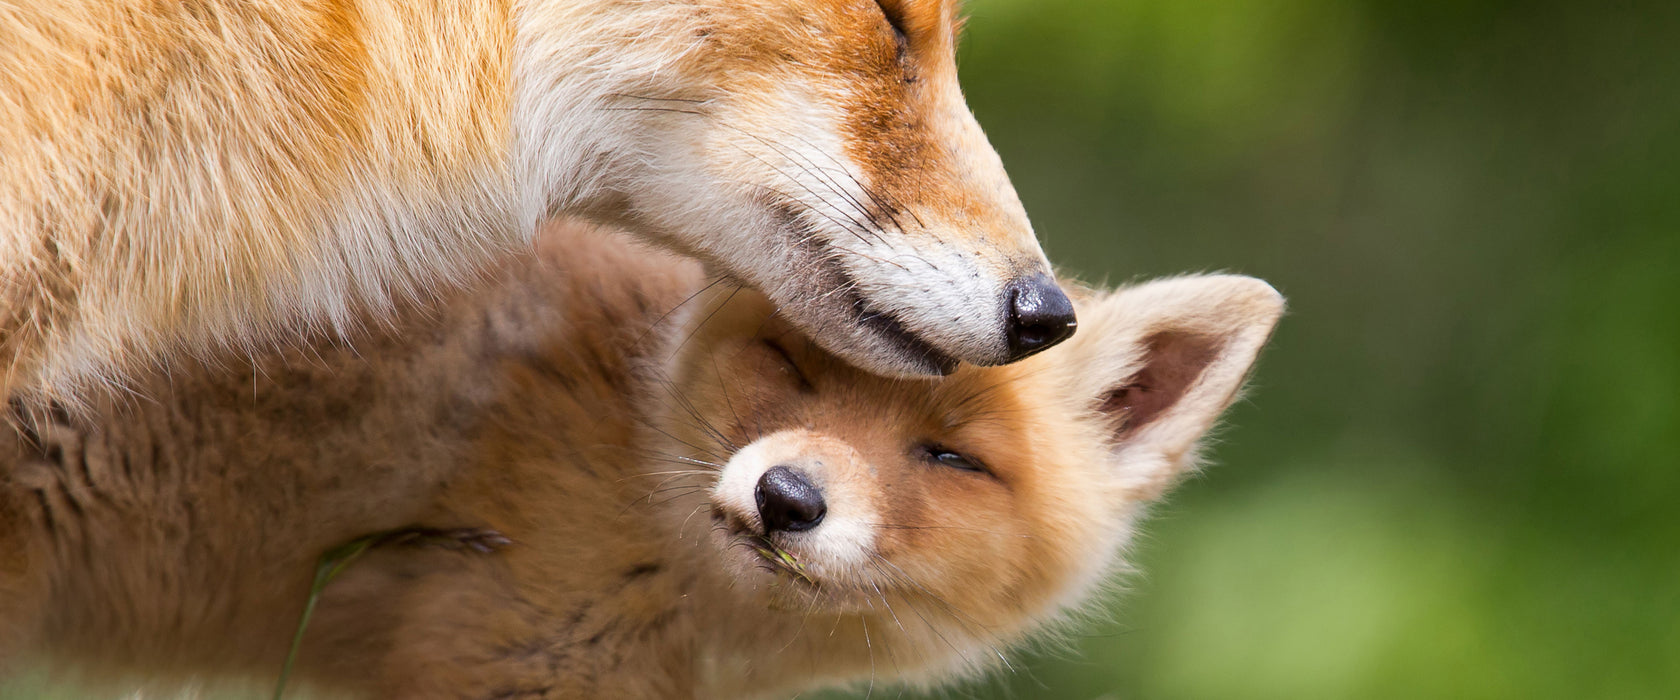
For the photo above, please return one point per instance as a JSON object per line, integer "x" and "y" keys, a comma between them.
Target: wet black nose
{"x": 788, "y": 501}
{"x": 1040, "y": 315}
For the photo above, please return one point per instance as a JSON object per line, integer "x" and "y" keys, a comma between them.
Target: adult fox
{"x": 185, "y": 175}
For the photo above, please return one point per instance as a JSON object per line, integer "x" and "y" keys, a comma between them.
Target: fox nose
{"x": 788, "y": 501}
{"x": 1040, "y": 315}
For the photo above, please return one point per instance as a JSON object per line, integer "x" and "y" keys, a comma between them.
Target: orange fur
{"x": 183, "y": 177}
{"x": 616, "y": 442}
{"x": 172, "y": 164}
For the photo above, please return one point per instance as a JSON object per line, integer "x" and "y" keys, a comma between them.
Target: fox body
{"x": 702, "y": 502}
{"x": 186, "y": 176}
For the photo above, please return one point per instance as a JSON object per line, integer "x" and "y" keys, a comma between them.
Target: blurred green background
{"x": 1458, "y": 474}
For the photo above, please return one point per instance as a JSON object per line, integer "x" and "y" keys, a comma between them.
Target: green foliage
{"x": 1456, "y": 474}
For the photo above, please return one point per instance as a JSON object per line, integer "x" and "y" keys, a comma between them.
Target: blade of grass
{"x": 337, "y": 559}
{"x": 327, "y": 568}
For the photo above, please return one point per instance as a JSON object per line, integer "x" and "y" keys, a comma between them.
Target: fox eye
{"x": 955, "y": 460}
{"x": 894, "y": 19}
{"x": 901, "y": 38}
{"x": 787, "y": 360}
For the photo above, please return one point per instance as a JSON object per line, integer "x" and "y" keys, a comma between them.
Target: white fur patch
{"x": 845, "y": 539}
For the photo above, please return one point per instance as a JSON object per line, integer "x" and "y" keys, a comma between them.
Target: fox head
{"x": 946, "y": 519}
{"x": 819, "y": 150}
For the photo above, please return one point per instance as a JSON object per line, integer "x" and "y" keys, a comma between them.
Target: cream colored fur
{"x": 588, "y": 406}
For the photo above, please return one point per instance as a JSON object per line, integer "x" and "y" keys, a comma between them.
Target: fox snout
{"x": 833, "y": 165}
{"x": 800, "y": 493}
{"x": 1039, "y": 315}
{"x": 788, "y": 501}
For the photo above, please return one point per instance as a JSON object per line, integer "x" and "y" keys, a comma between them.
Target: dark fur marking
{"x": 547, "y": 369}
{"x": 48, "y": 522}
{"x": 644, "y": 569}
{"x": 657, "y": 624}
{"x": 577, "y": 616}
{"x": 511, "y": 693}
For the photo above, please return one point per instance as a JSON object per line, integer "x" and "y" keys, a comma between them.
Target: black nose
{"x": 788, "y": 501}
{"x": 1040, "y": 315}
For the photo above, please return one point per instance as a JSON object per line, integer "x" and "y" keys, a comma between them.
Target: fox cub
{"x": 698, "y": 500}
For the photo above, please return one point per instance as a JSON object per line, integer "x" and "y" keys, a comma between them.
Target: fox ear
{"x": 1161, "y": 361}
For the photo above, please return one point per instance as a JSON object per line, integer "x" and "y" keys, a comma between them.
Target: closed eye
{"x": 897, "y": 22}
{"x": 901, "y": 38}
{"x": 804, "y": 382}
{"x": 954, "y": 460}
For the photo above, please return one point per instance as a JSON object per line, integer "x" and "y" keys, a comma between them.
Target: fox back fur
{"x": 702, "y": 502}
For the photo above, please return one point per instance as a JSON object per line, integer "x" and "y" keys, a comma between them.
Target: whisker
{"x": 819, "y": 197}
{"x": 956, "y": 613}
{"x": 692, "y": 101}
{"x": 663, "y": 316}
{"x": 931, "y": 627}
{"x": 682, "y": 530}
{"x": 886, "y": 207}
{"x": 868, "y": 212}
{"x": 693, "y": 446}
{"x": 706, "y": 320}
{"x": 680, "y": 472}
{"x": 653, "y": 109}
{"x": 890, "y": 526}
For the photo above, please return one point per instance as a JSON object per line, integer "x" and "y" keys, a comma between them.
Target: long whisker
{"x": 925, "y": 621}
{"x": 958, "y": 614}
{"x": 806, "y": 165}
{"x": 661, "y": 485}
{"x": 700, "y": 421}
{"x": 867, "y": 644}
{"x": 868, "y": 212}
{"x": 692, "y": 101}
{"x": 878, "y": 200}
{"x": 691, "y": 445}
{"x": 860, "y": 226}
{"x": 890, "y": 526}
{"x": 682, "y": 529}
{"x": 680, "y": 472}
{"x": 706, "y": 320}
{"x": 656, "y": 322}
{"x": 889, "y": 607}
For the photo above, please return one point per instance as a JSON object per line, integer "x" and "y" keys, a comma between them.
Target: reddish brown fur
{"x": 177, "y": 538}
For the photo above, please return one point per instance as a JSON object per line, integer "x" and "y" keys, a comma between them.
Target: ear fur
{"x": 1161, "y": 361}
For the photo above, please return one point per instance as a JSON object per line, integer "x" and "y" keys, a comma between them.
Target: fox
{"x": 184, "y": 178}
{"x": 655, "y": 485}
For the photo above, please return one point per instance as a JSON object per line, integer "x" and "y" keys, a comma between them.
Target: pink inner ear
{"x": 1173, "y": 361}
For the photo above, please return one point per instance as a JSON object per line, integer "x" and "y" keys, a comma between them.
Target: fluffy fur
{"x": 617, "y": 443}
{"x": 183, "y": 176}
